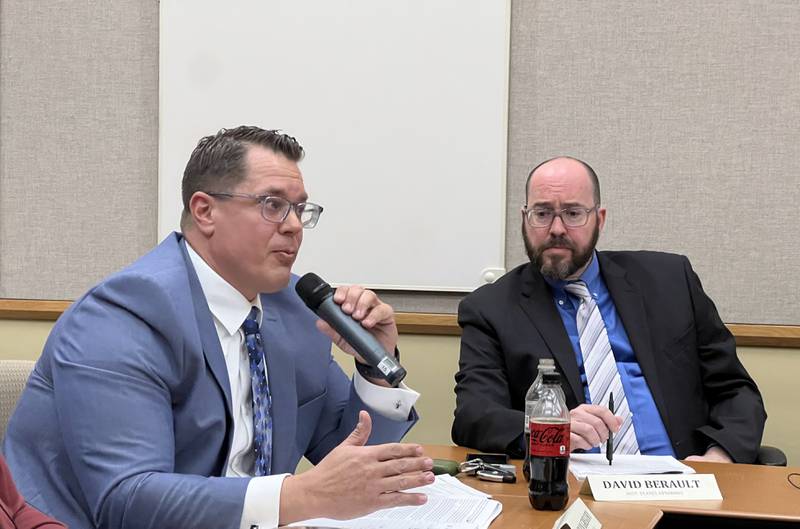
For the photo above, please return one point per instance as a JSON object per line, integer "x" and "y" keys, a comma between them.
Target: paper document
{"x": 451, "y": 505}
{"x": 582, "y": 465}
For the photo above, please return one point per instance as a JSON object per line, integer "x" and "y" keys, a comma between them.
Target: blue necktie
{"x": 600, "y": 365}
{"x": 262, "y": 400}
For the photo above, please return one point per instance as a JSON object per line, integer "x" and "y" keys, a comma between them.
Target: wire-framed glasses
{"x": 572, "y": 217}
{"x": 276, "y": 209}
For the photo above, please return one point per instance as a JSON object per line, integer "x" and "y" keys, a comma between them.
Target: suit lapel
{"x": 208, "y": 333}
{"x": 282, "y": 386}
{"x": 212, "y": 350}
{"x": 537, "y": 302}
{"x": 629, "y": 303}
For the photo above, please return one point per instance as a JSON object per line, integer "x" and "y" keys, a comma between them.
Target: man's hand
{"x": 589, "y": 426}
{"x": 373, "y": 314}
{"x": 715, "y": 454}
{"x": 354, "y": 480}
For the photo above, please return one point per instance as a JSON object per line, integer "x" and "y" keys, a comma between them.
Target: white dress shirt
{"x": 230, "y": 308}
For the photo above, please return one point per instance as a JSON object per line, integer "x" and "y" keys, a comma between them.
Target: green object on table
{"x": 445, "y": 466}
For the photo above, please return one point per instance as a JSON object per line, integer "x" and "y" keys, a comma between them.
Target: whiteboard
{"x": 400, "y": 106}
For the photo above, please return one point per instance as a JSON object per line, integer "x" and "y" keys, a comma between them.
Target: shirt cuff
{"x": 262, "y": 502}
{"x": 392, "y": 403}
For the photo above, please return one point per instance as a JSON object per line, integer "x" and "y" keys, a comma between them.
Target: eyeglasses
{"x": 276, "y": 209}
{"x": 572, "y": 217}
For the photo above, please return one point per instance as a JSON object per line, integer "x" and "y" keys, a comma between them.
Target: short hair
{"x": 592, "y": 176}
{"x": 218, "y": 162}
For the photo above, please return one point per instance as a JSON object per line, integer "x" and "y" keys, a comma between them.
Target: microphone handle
{"x": 366, "y": 345}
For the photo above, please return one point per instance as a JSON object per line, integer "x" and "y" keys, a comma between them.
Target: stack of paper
{"x": 582, "y": 465}
{"x": 451, "y": 505}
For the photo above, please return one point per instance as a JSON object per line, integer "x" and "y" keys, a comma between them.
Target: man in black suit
{"x": 685, "y": 392}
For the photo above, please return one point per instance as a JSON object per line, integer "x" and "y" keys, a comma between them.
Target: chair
{"x": 770, "y": 456}
{"x": 13, "y": 376}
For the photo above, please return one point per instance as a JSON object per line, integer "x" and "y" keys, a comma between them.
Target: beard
{"x": 559, "y": 268}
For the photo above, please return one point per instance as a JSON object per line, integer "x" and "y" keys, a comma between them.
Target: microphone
{"x": 318, "y": 296}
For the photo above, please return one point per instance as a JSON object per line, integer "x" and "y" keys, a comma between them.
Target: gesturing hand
{"x": 354, "y": 480}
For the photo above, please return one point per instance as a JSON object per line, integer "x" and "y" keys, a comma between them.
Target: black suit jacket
{"x": 687, "y": 355}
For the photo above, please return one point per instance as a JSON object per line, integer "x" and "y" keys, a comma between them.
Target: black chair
{"x": 770, "y": 456}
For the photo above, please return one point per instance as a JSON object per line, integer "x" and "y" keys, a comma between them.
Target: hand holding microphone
{"x": 348, "y": 313}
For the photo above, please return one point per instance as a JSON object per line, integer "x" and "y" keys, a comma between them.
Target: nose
{"x": 292, "y": 222}
{"x": 557, "y": 226}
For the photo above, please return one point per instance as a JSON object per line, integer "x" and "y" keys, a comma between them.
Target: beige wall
{"x": 79, "y": 135}
{"x": 432, "y": 361}
{"x": 775, "y": 371}
{"x": 22, "y": 340}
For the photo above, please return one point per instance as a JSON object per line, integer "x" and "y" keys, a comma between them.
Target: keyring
{"x": 471, "y": 467}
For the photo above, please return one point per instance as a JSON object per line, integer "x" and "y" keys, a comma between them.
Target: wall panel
{"x": 78, "y": 142}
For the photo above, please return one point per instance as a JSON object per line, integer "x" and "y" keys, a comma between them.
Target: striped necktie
{"x": 601, "y": 366}
{"x": 262, "y": 399}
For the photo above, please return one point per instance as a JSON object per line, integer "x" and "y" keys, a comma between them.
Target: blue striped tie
{"x": 600, "y": 366}
{"x": 262, "y": 400}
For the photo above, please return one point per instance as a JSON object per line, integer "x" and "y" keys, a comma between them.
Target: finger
{"x": 360, "y": 434}
{"x": 610, "y": 421}
{"x": 586, "y": 432}
{"x": 619, "y": 422}
{"x": 389, "y": 451}
{"x": 351, "y": 296}
{"x": 338, "y": 340}
{"x": 593, "y": 422}
{"x": 382, "y": 313}
{"x": 365, "y": 303}
{"x": 401, "y": 499}
{"x": 407, "y": 481}
{"x": 576, "y": 442}
{"x": 340, "y": 294}
{"x": 599, "y": 417}
{"x": 329, "y": 331}
{"x": 405, "y": 465}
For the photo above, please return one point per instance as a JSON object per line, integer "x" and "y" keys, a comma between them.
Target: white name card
{"x": 578, "y": 516}
{"x": 649, "y": 487}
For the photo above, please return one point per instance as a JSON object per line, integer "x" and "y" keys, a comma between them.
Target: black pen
{"x": 610, "y": 442}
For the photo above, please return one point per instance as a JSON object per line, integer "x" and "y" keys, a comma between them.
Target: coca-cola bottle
{"x": 531, "y": 398}
{"x": 549, "y": 447}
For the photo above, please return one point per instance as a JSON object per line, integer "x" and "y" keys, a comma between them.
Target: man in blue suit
{"x": 139, "y": 413}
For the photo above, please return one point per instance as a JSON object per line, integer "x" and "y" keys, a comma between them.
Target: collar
{"x": 227, "y": 304}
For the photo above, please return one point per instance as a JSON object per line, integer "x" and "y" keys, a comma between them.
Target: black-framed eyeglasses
{"x": 276, "y": 209}
{"x": 572, "y": 217}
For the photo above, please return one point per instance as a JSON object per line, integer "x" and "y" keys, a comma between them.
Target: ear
{"x": 601, "y": 218}
{"x": 201, "y": 207}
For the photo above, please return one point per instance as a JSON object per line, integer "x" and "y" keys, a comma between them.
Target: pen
{"x": 610, "y": 442}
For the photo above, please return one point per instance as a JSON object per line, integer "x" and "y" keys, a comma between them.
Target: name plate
{"x": 650, "y": 487}
{"x": 578, "y": 516}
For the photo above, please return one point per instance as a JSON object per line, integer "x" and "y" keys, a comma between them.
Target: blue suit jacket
{"x": 126, "y": 420}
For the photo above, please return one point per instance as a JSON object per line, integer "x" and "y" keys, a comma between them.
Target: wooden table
{"x": 750, "y": 492}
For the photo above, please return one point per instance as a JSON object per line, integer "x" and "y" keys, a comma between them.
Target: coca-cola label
{"x": 549, "y": 439}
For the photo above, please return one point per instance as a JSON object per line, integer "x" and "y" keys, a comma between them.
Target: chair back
{"x": 13, "y": 376}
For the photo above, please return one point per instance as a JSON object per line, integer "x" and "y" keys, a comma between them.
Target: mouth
{"x": 558, "y": 249}
{"x": 285, "y": 255}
